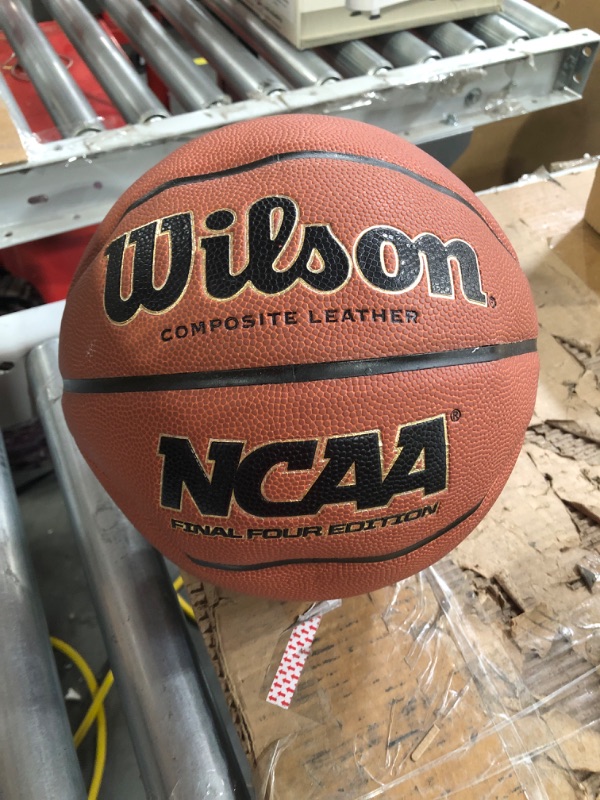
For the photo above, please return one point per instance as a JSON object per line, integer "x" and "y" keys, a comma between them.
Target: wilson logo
{"x": 420, "y": 465}
{"x": 383, "y": 256}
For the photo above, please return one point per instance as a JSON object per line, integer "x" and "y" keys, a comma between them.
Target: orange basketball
{"x": 301, "y": 357}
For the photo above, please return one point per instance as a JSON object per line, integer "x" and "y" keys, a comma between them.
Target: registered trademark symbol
{"x": 492, "y": 301}
{"x": 455, "y": 415}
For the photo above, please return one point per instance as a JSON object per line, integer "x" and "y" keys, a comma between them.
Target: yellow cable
{"x": 184, "y": 605}
{"x": 92, "y": 684}
{"x": 186, "y": 608}
{"x": 96, "y": 709}
{"x": 93, "y": 710}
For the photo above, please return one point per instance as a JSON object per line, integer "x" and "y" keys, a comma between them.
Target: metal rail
{"x": 357, "y": 58}
{"x": 241, "y": 70}
{"x": 404, "y": 48}
{"x": 81, "y": 178}
{"x": 175, "y": 739}
{"x": 113, "y": 71}
{"x": 300, "y": 67}
{"x": 37, "y": 757}
{"x": 192, "y": 86}
{"x": 452, "y": 40}
{"x": 532, "y": 19}
{"x": 496, "y": 30}
{"x": 65, "y": 101}
{"x": 450, "y": 83}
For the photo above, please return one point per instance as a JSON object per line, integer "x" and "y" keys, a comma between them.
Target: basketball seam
{"x": 278, "y": 158}
{"x": 299, "y": 373}
{"x": 349, "y": 560}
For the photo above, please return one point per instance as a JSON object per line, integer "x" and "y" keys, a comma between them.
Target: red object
{"x": 27, "y": 97}
{"x": 309, "y": 376}
{"x": 292, "y": 662}
{"x": 48, "y": 264}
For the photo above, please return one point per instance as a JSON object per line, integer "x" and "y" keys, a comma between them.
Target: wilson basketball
{"x": 300, "y": 355}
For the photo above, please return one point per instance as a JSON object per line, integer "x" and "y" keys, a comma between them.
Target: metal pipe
{"x": 404, "y": 48}
{"x": 452, "y": 40}
{"x": 66, "y": 103}
{"x": 192, "y": 87}
{"x": 174, "y": 735}
{"x": 532, "y": 19}
{"x": 13, "y": 108}
{"x": 37, "y": 756}
{"x": 357, "y": 58}
{"x": 241, "y": 70}
{"x": 114, "y": 72}
{"x": 300, "y": 67}
{"x": 496, "y": 30}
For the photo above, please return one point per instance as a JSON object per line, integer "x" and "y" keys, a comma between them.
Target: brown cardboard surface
{"x": 592, "y": 209}
{"x": 477, "y": 678}
{"x": 503, "y": 151}
{"x": 357, "y": 700}
{"x": 11, "y": 146}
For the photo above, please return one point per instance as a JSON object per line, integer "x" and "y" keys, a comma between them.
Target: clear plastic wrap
{"x": 413, "y": 691}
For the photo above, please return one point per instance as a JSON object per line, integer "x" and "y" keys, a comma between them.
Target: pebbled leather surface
{"x": 344, "y": 316}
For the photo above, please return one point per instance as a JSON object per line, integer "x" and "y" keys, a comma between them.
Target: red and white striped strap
{"x": 296, "y": 652}
{"x": 292, "y": 662}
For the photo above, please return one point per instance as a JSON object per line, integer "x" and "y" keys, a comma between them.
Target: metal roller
{"x": 37, "y": 756}
{"x": 175, "y": 737}
{"x": 13, "y": 108}
{"x": 404, "y": 48}
{"x": 113, "y": 71}
{"x": 192, "y": 87}
{"x": 357, "y": 58}
{"x": 300, "y": 67}
{"x": 532, "y": 19}
{"x": 452, "y": 40}
{"x": 66, "y": 103}
{"x": 240, "y": 69}
{"x": 496, "y": 30}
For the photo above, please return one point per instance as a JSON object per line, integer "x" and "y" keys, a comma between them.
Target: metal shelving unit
{"x": 441, "y": 83}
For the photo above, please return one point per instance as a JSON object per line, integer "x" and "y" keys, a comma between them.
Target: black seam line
{"x": 351, "y": 560}
{"x": 297, "y": 373}
{"x": 307, "y": 154}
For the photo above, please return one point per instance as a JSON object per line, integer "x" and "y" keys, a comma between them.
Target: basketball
{"x": 300, "y": 355}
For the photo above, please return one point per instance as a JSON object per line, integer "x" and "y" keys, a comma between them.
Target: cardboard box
{"x": 11, "y": 145}
{"x": 477, "y": 678}
{"x": 312, "y": 23}
{"x": 592, "y": 209}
